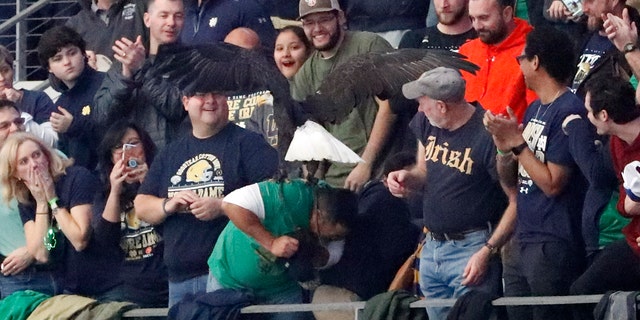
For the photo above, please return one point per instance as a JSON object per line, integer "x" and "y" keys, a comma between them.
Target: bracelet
{"x": 42, "y": 213}
{"x": 164, "y": 209}
{"x": 53, "y": 203}
{"x": 502, "y": 153}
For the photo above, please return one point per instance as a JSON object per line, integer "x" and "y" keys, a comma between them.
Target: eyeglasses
{"x": 202, "y": 96}
{"x": 121, "y": 148}
{"x": 520, "y": 58}
{"x": 322, "y": 21}
{"x": 19, "y": 122}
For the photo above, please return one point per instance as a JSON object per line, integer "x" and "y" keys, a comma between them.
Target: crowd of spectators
{"x": 127, "y": 188}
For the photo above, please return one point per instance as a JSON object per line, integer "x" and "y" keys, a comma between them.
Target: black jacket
{"x": 385, "y": 15}
{"x": 376, "y": 246}
{"x": 154, "y": 104}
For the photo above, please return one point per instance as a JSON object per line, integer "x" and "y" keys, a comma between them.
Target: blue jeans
{"x": 442, "y": 264}
{"x": 177, "y": 290}
{"x": 29, "y": 279}
{"x": 285, "y": 297}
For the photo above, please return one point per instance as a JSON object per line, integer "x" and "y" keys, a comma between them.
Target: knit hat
{"x": 312, "y": 6}
{"x": 440, "y": 84}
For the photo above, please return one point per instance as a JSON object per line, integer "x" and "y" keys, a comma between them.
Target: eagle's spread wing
{"x": 229, "y": 69}
{"x": 380, "y": 74}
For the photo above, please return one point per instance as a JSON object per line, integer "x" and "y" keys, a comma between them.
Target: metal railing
{"x": 358, "y": 306}
{"x": 22, "y": 22}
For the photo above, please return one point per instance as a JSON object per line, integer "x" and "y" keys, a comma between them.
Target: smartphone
{"x": 575, "y": 6}
{"x": 131, "y": 163}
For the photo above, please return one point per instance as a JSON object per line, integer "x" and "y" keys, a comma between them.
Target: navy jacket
{"x": 81, "y": 139}
{"x": 212, "y": 21}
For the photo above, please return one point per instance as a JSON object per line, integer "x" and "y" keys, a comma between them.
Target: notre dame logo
{"x": 200, "y": 171}
{"x": 436, "y": 152}
{"x": 201, "y": 174}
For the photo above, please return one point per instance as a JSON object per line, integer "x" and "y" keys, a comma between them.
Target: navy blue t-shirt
{"x": 140, "y": 248}
{"x": 593, "y": 51}
{"x": 92, "y": 271}
{"x": 211, "y": 167}
{"x": 541, "y": 218}
{"x": 462, "y": 190}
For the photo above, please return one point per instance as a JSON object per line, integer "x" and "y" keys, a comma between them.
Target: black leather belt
{"x": 451, "y": 236}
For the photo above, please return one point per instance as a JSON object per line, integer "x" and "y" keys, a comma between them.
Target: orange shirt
{"x": 499, "y": 82}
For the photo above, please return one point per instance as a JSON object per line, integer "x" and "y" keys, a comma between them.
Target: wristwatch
{"x": 492, "y": 249}
{"x": 518, "y": 149}
{"x": 629, "y": 47}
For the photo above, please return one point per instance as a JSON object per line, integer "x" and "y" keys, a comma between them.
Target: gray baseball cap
{"x": 441, "y": 83}
{"x": 312, "y": 6}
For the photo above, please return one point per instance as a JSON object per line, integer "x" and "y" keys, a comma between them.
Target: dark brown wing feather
{"x": 380, "y": 74}
{"x": 230, "y": 69}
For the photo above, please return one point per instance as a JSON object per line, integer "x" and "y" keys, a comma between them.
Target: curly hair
{"x": 56, "y": 38}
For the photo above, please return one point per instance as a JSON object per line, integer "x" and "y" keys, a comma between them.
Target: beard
{"x": 494, "y": 36}
{"x": 594, "y": 23}
{"x": 333, "y": 40}
{"x": 451, "y": 18}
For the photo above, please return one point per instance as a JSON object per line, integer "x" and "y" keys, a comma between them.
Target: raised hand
{"x": 130, "y": 54}
{"x": 117, "y": 177}
{"x": 620, "y": 30}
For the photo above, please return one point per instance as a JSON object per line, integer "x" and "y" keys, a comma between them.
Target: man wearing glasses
{"x": 367, "y": 128}
{"x": 187, "y": 181}
{"x": 547, "y": 253}
{"x": 12, "y": 120}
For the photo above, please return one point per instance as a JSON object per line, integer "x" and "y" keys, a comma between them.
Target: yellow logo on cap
{"x": 86, "y": 110}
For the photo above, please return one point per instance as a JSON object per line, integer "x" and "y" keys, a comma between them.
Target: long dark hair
{"x": 112, "y": 139}
{"x": 299, "y": 32}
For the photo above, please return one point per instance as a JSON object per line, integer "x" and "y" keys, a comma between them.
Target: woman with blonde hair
{"x": 55, "y": 203}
